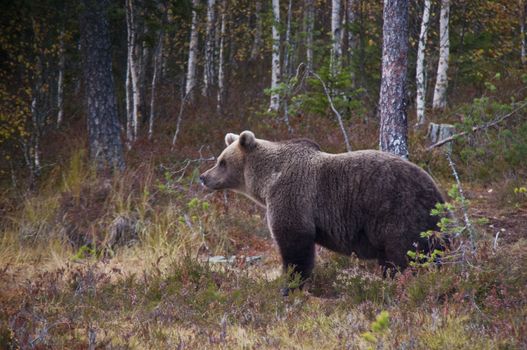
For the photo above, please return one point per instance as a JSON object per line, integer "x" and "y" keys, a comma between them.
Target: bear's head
{"x": 228, "y": 173}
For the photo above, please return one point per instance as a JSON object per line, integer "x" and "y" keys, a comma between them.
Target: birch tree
{"x": 101, "y": 107}
{"x": 336, "y": 40}
{"x": 439, "y": 101}
{"x": 310, "y": 27}
{"x": 392, "y": 101}
{"x": 257, "y": 43}
{"x": 208, "y": 64}
{"x": 157, "y": 64}
{"x": 221, "y": 59}
{"x": 193, "y": 51}
{"x": 275, "y": 63}
{"x": 420, "y": 66}
{"x": 133, "y": 93}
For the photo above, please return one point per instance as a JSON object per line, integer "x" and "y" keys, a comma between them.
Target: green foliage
{"x": 378, "y": 329}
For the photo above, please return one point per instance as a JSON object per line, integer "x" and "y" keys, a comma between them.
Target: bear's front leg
{"x": 298, "y": 257}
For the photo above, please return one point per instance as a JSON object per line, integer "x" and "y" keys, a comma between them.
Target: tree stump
{"x": 439, "y": 132}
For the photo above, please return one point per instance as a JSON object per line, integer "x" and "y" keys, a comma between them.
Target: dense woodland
{"x": 109, "y": 111}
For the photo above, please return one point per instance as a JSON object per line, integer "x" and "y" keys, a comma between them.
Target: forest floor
{"x": 165, "y": 292}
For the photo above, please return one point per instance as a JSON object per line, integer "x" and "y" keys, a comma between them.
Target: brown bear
{"x": 370, "y": 203}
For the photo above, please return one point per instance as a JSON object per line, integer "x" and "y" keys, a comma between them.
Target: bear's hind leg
{"x": 395, "y": 260}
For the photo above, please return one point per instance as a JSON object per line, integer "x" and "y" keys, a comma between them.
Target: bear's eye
{"x": 223, "y": 163}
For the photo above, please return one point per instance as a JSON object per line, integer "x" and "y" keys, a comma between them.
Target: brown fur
{"x": 370, "y": 203}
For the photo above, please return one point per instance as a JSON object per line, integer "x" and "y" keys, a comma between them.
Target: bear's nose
{"x": 202, "y": 179}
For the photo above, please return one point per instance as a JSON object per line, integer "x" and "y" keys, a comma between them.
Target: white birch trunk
{"x": 193, "y": 51}
{"x": 444, "y": 53}
{"x": 128, "y": 87}
{"x": 208, "y": 67}
{"x": 310, "y": 27}
{"x": 135, "y": 98}
{"x": 158, "y": 55}
{"x": 336, "y": 41}
{"x": 257, "y": 43}
{"x": 275, "y": 67}
{"x": 60, "y": 81}
{"x": 421, "y": 67}
{"x": 221, "y": 60}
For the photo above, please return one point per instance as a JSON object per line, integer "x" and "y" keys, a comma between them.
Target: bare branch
{"x": 478, "y": 127}
{"x": 337, "y": 114}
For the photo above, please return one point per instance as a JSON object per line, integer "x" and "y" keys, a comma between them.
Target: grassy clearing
{"x": 162, "y": 293}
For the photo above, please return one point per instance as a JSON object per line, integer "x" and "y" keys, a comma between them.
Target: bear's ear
{"x": 247, "y": 140}
{"x": 230, "y": 138}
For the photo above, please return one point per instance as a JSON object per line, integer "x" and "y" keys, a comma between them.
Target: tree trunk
{"x": 336, "y": 41}
{"x": 287, "y": 42}
{"x": 158, "y": 55}
{"x": 523, "y": 56}
{"x": 60, "y": 81}
{"x": 352, "y": 10}
{"x": 129, "y": 113}
{"x": 420, "y": 78}
{"x": 193, "y": 51}
{"x": 208, "y": 65}
{"x": 134, "y": 71}
{"x": 392, "y": 102}
{"x": 310, "y": 27}
{"x": 275, "y": 69}
{"x": 444, "y": 52}
{"x": 221, "y": 59}
{"x": 101, "y": 108}
{"x": 257, "y": 43}
{"x": 142, "y": 68}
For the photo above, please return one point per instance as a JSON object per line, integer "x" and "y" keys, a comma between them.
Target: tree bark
{"x": 221, "y": 59}
{"x": 336, "y": 40}
{"x": 193, "y": 51}
{"x": 310, "y": 27}
{"x": 444, "y": 53}
{"x": 275, "y": 66}
{"x": 101, "y": 108}
{"x": 257, "y": 43}
{"x": 421, "y": 67}
{"x": 208, "y": 65}
{"x": 392, "y": 102}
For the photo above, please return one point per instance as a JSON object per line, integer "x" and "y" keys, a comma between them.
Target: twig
{"x": 477, "y": 128}
{"x": 337, "y": 114}
{"x": 468, "y": 224}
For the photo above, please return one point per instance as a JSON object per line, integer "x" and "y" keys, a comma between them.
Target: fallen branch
{"x": 477, "y": 128}
{"x": 337, "y": 114}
